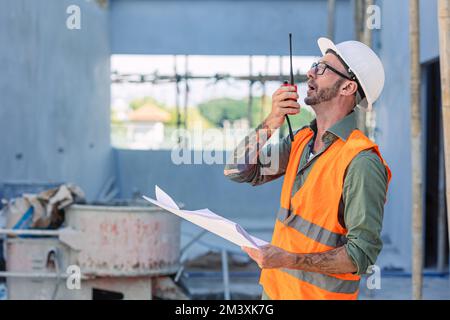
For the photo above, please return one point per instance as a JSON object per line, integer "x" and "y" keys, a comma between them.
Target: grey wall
{"x": 54, "y": 93}
{"x": 429, "y": 47}
{"x": 225, "y": 27}
{"x": 393, "y": 119}
{"x": 196, "y": 185}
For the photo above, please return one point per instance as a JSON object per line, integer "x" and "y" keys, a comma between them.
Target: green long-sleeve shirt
{"x": 364, "y": 190}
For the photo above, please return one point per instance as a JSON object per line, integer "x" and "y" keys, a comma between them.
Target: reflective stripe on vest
{"x": 324, "y": 281}
{"x": 310, "y": 229}
{"x": 307, "y": 221}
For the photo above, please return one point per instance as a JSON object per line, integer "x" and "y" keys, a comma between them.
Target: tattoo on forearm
{"x": 333, "y": 261}
{"x": 263, "y": 134}
{"x": 264, "y": 128}
{"x": 249, "y": 149}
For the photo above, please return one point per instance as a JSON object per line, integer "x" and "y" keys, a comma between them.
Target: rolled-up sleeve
{"x": 364, "y": 196}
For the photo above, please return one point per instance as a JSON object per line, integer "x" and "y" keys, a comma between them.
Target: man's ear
{"x": 349, "y": 88}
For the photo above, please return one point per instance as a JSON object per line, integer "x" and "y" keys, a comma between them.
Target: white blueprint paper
{"x": 208, "y": 220}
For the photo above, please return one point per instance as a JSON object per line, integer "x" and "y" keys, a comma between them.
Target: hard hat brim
{"x": 324, "y": 45}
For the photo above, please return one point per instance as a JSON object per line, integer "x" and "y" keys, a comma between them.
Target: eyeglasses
{"x": 320, "y": 67}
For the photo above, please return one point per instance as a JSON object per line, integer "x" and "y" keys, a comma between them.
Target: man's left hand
{"x": 269, "y": 256}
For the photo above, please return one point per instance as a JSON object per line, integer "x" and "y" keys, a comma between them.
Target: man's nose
{"x": 310, "y": 74}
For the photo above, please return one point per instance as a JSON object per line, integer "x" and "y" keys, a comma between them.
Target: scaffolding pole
{"x": 264, "y": 90}
{"x": 177, "y": 97}
{"x": 369, "y": 117}
{"x": 360, "y": 33}
{"x": 156, "y": 78}
{"x": 250, "y": 94}
{"x": 331, "y": 16}
{"x": 359, "y": 18}
{"x": 186, "y": 91}
{"x": 416, "y": 154}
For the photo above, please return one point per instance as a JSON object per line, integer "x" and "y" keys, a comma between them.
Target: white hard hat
{"x": 363, "y": 63}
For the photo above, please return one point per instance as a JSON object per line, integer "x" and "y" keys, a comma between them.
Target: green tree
{"x": 137, "y": 103}
{"x": 194, "y": 115}
{"x": 218, "y": 110}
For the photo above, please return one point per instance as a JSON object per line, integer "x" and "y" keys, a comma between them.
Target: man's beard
{"x": 323, "y": 95}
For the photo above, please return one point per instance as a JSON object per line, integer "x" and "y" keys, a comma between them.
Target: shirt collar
{"x": 341, "y": 129}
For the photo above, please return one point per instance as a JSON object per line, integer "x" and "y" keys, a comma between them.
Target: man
{"x": 327, "y": 231}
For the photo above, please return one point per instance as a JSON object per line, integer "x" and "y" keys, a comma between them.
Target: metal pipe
{"x": 226, "y": 275}
{"x": 38, "y": 275}
{"x": 179, "y": 273}
{"x": 186, "y": 92}
{"x": 263, "y": 96}
{"x": 12, "y": 274}
{"x": 155, "y": 78}
{"x": 358, "y": 18}
{"x": 177, "y": 98}
{"x": 250, "y": 95}
{"x": 54, "y": 233}
{"x": 192, "y": 241}
{"x": 331, "y": 14}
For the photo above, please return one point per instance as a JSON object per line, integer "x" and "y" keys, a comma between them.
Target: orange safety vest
{"x": 308, "y": 221}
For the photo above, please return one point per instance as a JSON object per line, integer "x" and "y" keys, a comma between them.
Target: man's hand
{"x": 334, "y": 261}
{"x": 281, "y": 106}
{"x": 269, "y": 257}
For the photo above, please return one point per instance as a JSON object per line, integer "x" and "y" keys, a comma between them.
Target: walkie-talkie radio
{"x": 292, "y": 84}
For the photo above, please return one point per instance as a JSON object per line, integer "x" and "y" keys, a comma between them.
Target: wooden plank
{"x": 444, "y": 50}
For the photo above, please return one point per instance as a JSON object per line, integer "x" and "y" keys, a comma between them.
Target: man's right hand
{"x": 282, "y": 105}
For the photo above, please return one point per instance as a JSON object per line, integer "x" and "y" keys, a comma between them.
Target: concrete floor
{"x": 2, "y": 291}
{"x": 400, "y": 287}
{"x": 206, "y": 281}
